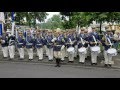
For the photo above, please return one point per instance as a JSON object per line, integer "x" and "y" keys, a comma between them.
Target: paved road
{"x": 26, "y": 70}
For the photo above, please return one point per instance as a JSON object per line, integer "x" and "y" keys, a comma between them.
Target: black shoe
{"x": 40, "y": 59}
{"x": 50, "y": 60}
{"x": 10, "y": 59}
{"x": 105, "y": 65}
{"x": 92, "y": 64}
{"x": 56, "y": 65}
{"x": 82, "y": 62}
{"x": 109, "y": 65}
{"x": 20, "y": 58}
{"x": 95, "y": 63}
{"x": 30, "y": 59}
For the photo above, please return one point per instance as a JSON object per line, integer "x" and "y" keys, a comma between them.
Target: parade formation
{"x": 58, "y": 44}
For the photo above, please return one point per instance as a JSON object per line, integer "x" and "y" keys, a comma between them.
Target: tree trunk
{"x": 100, "y": 27}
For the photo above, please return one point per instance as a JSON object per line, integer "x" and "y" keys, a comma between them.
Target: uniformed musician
{"x": 29, "y": 45}
{"x": 21, "y": 45}
{"x": 94, "y": 40}
{"x": 4, "y": 44}
{"x": 106, "y": 43}
{"x": 39, "y": 45}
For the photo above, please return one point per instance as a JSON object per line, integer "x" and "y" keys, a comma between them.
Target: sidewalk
{"x": 75, "y": 64}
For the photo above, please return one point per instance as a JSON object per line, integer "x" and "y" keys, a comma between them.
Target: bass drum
{"x": 82, "y": 50}
{"x": 112, "y": 52}
{"x": 71, "y": 50}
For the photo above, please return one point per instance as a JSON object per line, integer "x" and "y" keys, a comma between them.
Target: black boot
{"x": 56, "y": 62}
{"x": 59, "y": 62}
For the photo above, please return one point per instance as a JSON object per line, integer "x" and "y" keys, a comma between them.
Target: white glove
{"x": 54, "y": 39}
{"x": 63, "y": 46}
{"x": 3, "y": 41}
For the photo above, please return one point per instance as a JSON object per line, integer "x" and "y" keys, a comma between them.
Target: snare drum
{"x": 71, "y": 50}
{"x": 112, "y": 52}
{"x": 95, "y": 49}
{"x": 82, "y": 50}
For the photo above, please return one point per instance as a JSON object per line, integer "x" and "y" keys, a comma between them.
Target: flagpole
{"x": 13, "y": 23}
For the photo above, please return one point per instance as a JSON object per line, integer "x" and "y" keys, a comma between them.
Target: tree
{"x": 53, "y": 23}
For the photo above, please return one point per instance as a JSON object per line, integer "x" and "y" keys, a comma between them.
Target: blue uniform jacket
{"x": 91, "y": 38}
{"x": 38, "y": 42}
{"x": 107, "y": 46}
{"x": 49, "y": 41}
{"x": 29, "y": 42}
{"x": 5, "y": 38}
{"x": 84, "y": 37}
{"x": 20, "y": 42}
{"x": 58, "y": 44}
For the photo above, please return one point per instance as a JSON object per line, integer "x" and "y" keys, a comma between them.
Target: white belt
{"x": 58, "y": 45}
{"x": 39, "y": 44}
{"x": 30, "y": 44}
{"x": 20, "y": 43}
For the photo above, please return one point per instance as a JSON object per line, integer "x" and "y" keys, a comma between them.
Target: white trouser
{"x": 108, "y": 58}
{"x": 5, "y": 51}
{"x": 21, "y": 52}
{"x": 46, "y": 50}
{"x": 50, "y": 53}
{"x": 93, "y": 57}
{"x": 76, "y": 50}
{"x": 71, "y": 57}
{"x": 57, "y": 54}
{"x": 30, "y": 53}
{"x": 11, "y": 51}
{"x": 88, "y": 51}
{"x": 40, "y": 53}
{"x": 66, "y": 53}
{"x": 63, "y": 53}
{"x": 14, "y": 50}
{"x": 82, "y": 57}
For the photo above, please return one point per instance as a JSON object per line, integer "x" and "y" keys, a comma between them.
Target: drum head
{"x": 112, "y": 51}
{"x": 70, "y": 49}
{"x": 96, "y": 48}
{"x": 83, "y": 49}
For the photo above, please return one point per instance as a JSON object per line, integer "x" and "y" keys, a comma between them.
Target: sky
{"x": 50, "y": 14}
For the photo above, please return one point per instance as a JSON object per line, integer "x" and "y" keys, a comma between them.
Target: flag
{"x": 0, "y": 29}
{"x": 2, "y": 17}
{"x": 13, "y": 16}
{"x": 2, "y": 21}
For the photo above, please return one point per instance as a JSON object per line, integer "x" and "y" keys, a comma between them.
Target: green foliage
{"x": 53, "y": 23}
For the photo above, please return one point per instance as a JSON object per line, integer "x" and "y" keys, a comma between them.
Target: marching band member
{"x": 21, "y": 45}
{"x": 82, "y": 42}
{"x": 11, "y": 46}
{"x": 58, "y": 46}
{"x": 116, "y": 40}
{"x": 94, "y": 40}
{"x": 50, "y": 45}
{"x": 106, "y": 44}
{"x": 39, "y": 45}
{"x": 63, "y": 51}
{"x": 29, "y": 44}
{"x": 4, "y": 44}
{"x": 44, "y": 35}
{"x": 70, "y": 43}
{"x": 75, "y": 44}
